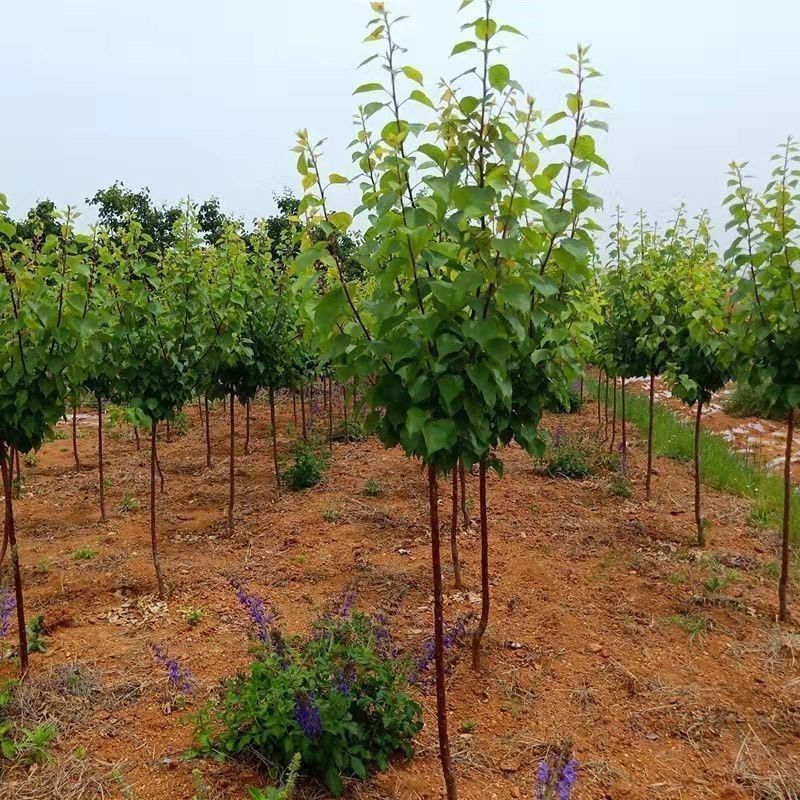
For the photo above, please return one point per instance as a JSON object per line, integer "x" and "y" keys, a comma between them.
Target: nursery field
{"x": 660, "y": 663}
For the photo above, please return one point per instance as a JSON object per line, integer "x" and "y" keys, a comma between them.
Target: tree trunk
{"x": 650, "y": 435}
{"x": 160, "y": 476}
{"x": 247, "y": 429}
{"x": 605, "y": 434}
{"x": 208, "y": 434}
{"x": 294, "y": 406}
{"x": 330, "y": 414}
{"x": 100, "y": 458}
{"x": 581, "y": 389}
{"x": 599, "y": 393}
{"x": 231, "y": 476}
{"x": 701, "y": 535}
{"x": 162, "y": 589}
{"x": 614, "y": 420}
{"x": 200, "y": 409}
{"x": 624, "y": 423}
{"x": 169, "y": 437}
{"x": 344, "y": 408}
{"x": 783, "y": 583}
{"x": 484, "y": 621}
{"x": 438, "y": 637}
{"x": 17, "y": 466}
{"x": 11, "y": 536}
{"x": 274, "y": 437}
{"x": 303, "y": 414}
{"x": 454, "y": 532}
{"x": 75, "y": 436}
{"x": 464, "y": 508}
{"x": 136, "y": 437}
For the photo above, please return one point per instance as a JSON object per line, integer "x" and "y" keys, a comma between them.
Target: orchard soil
{"x": 601, "y": 632}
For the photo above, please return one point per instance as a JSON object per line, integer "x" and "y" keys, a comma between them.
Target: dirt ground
{"x": 592, "y": 596}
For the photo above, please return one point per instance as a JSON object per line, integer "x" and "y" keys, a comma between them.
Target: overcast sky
{"x": 199, "y": 97}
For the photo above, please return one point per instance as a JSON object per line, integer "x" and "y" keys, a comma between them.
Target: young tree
{"x": 766, "y": 255}
{"x": 701, "y": 354}
{"x": 44, "y": 288}
{"x": 469, "y": 242}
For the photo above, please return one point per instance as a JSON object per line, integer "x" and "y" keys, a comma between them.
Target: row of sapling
{"x": 766, "y": 255}
{"x": 468, "y": 240}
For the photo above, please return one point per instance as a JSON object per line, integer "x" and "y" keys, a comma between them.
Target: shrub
{"x": 31, "y": 459}
{"x": 192, "y": 615}
{"x": 750, "y": 401}
{"x": 84, "y": 554}
{"x": 568, "y": 458}
{"x": 129, "y": 503}
{"x": 181, "y": 423}
{"x": 337, "y": 698}
{"x": 371, "y": 488}
{"x": 307, "y": 469}
{"x": 351, "y": 431}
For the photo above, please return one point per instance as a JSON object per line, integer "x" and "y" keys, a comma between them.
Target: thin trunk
{"x": 160, "y": 475}
{"x": 454, "y": 532}
{"x": 650, "y": 435}
{"x": 294, "y": 406}
{"x": 614, "y": 420}
{"x": 605, "y": 433}
{"x": 11, "y": 536}
{"x": 330, "y": 414}
{"x": 484, "y": 621}
{"x": 311, "y": 402}
{"x": 464, "y": 507}
{"x": 136, "y": 437}
{"x": 100, "y": 458}
{"x": 624, "y": 423}
{"x": 274, "y": 437}
{"x": 438, "y": 637}
{"x": 247, "y": 429}
{"x": 599, "y": 393}
{"x": 17, "y": 467}
{"x": 303, "y": 414}
{"x": 344, "y": 408}
{"x": 783, "y": 584}
{"x": 581, "y": 389}
{"x": 169, "y": 438}
{"x": 200, "y": 409}
{"x": 231, "y": 478}
{"x": 355, "y": 398}
{"x": 75, "y": 436}
{"x": 701, "y": 536}
{"x": 208, "y": 434}
{"x": 162, "y": 588}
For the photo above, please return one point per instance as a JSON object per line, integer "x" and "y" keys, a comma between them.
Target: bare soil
{"x": 584, "y": 642}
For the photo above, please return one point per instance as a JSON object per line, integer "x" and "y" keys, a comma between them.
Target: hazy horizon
{"x": 199, "y": 99}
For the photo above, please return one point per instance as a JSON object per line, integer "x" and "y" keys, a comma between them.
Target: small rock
{"x": 595, "y": 647}
{"x": 509, "y": 766}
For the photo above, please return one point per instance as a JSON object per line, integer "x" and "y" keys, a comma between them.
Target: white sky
{"x": 199, "y": 97}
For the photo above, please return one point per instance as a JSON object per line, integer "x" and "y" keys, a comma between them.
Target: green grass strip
{"x": 721, "y": 467}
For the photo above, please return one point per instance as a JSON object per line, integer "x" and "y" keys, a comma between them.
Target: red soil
{"x": 580, "y": 645}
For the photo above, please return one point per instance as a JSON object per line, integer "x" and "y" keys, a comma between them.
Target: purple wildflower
{"x": 179, "y": 678}
{"x": 556, "y": 780}
{"x": 568, "y": 777}
{"x": 559, "y": 435}
{"x": 7, "y": 605}
{"x": 345, "y": 679}
{"x": 420, "y": 675}
{"x": 383, "y": 637}
{"x": 542, "y": 779}
{"x": 307, "y": 716}
{"x": 261, "y": 617}
{"x": 343, "y": 607}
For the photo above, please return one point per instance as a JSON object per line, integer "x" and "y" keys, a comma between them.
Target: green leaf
{"x": 336, "y": 178}
{"x": 439, "y": 435}
{"x": 555, "y": 220}
{"x": 462, "y": 47}
{"x": 473, "y": 201}
{"x": 421, "y": 97}
{"x": 368, "y": 87}
{"x": 499, "y": 76}
{"x": 413, "y": 74}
